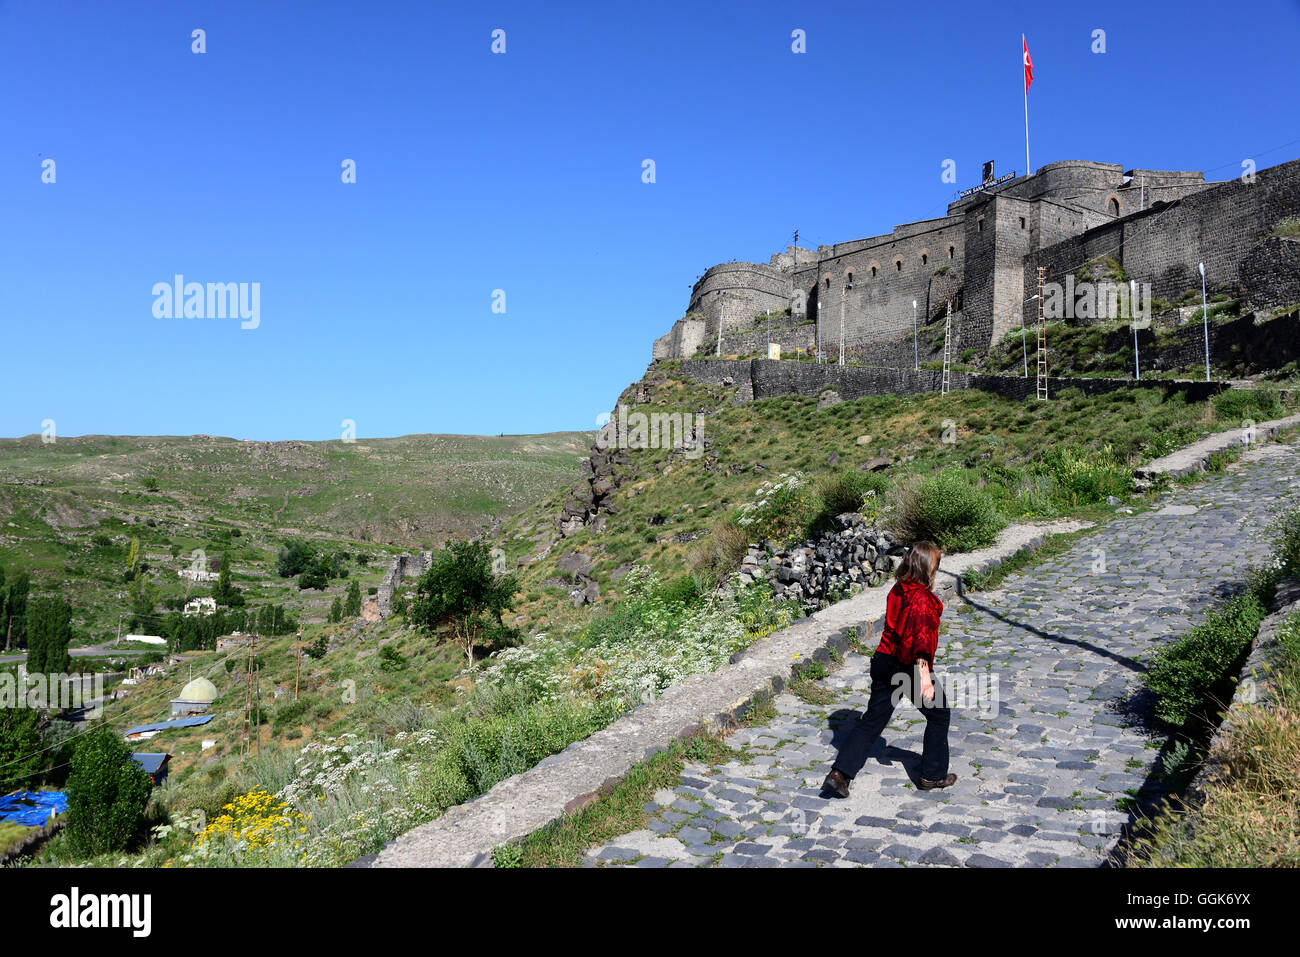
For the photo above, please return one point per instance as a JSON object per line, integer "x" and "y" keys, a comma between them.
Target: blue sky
{"x": 519, "y": 172}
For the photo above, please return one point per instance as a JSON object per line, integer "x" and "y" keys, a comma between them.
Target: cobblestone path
{"x": 1046, "y": 774}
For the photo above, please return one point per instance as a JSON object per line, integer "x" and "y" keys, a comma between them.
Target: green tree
{"x": 459, "y": 590}
{"x": 352, "y": 606}
{"x": 294, "y": 559}
{"x": 225, "y": 593}
{"x": 107, "y": 794}
{"x": 133, "y": 556}
{"x": 49, "y": 632}
{"x": 20, "y": 747}
{"x": 336, "y": 610}
{"x": 13, "y": 605}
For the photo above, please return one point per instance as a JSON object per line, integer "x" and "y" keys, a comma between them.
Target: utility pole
{"x": 1042, "y": 337}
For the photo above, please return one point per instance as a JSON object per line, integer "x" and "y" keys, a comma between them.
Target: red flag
{"x": 1029, "y": 65}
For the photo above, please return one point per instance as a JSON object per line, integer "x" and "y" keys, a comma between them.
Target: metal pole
{"x": 844, "y": 299}
{"x": 1132, "y": 297}
{"x": 1205, "y": 318}
{"x": 916, "y": 355}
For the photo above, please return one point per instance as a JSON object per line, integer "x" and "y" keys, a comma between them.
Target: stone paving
{"x": 1052, "y": 745}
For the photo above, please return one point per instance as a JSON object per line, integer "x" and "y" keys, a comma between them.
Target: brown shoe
{"x": 836, "y": 783}
{"x": 928, "y": 785}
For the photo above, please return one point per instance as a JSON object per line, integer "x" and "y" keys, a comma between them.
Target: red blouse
{"x": 912, "y": 614}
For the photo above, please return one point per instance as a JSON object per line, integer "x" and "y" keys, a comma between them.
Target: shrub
{"x": 1085, "y": 477}
{"x": 1237, "y": 405}
{"x": 107, "y": 794}
{"x": 779, "y": 510}
{"x": 716, "y": 557}
{"x": 1182, "y": 674}
{"x": 1287, "y": 541}
{"x": 845, "y": 490}
{"x": 949, "y": 511}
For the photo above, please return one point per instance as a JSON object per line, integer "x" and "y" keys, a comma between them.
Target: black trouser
{"x": 889, "y": 676}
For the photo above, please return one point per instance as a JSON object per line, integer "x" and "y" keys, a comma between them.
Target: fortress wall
{"x": 789, "y": 338}
{"x": 879, "y": 308}
{"x": 1220, "y": 225}
{"x": 764, "y": 379}
{"x": 738, "y": 291}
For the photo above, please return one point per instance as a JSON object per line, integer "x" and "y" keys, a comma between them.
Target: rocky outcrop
{"x": 590, "y": 499}
{"x": 843, "y": 561}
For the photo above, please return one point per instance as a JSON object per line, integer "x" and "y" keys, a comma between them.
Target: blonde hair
{"x": 920, "y": 564}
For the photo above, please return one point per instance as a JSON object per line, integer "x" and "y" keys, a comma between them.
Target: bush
{"x": 1085, "y": 477}
{"x": 716, "y": 557}
{"x": 844, "y": 491}
{"x": 1182, "y": 674}
{"x": 949, "y": 511}
{"x": 779, "y": 510}
{"x": 107, "y": 794}
{"x": 1237, "y": 405}
{"x": 1287, "y": 541}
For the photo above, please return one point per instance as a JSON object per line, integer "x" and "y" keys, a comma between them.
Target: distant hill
{"x": 69, "y": 509}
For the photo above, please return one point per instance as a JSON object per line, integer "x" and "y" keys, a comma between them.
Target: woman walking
{"x": 907, "y": 646}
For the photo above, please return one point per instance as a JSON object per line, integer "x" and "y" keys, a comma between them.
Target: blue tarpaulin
{"x": 177, "y": 723}
{"x": 32, "y": 808}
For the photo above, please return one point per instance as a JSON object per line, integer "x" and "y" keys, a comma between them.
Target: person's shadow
{"x": 841, "y": 723}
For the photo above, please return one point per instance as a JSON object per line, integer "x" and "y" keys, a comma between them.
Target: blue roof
{"x": 150, "y": 762}
{"x": 177, "y": 723}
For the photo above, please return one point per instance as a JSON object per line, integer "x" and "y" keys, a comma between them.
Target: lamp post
{"x": 916, "y": 355}
{"x": 1205, "y": 318}
{"x": 1132, "y": 298}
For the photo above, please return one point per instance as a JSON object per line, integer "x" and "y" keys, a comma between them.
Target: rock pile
{"x": 843, "y": 561}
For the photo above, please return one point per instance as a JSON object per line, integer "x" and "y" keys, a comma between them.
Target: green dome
{"x": 200, "y": 689}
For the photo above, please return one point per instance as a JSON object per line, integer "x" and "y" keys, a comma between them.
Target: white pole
{"x": 1026, "y": 89}
{"x": 1132, "y": 298}
{"x": 1205, "y": 318}
{"x": 916, "y": 354}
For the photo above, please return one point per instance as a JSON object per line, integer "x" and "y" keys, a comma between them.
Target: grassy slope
{"x": 377, "y": 497}
{"x": 998, "y": 441}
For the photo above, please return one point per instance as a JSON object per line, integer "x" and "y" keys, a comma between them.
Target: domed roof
{"x": 200, "y": 689}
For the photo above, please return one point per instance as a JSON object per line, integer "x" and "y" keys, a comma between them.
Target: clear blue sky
{"x": 520, "y": 172}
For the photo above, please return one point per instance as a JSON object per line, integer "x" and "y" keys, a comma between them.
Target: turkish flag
{"x": 1029, "y": 64}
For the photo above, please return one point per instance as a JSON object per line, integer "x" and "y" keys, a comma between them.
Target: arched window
{"x": 850, "y": 277}
{"x": 898, "y": 265}
{"x": 1113, "y": 206}
{"x": 828, "y": 282}
{"x": 980, "y": 223}
{"x": 925, "y": 259}
{"x": 952, "y": 252}
{"x": 873, "y": 272}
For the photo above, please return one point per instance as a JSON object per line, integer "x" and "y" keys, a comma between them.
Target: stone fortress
{"x": 983, "y": 258}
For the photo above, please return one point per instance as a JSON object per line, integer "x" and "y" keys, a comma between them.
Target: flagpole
{"x": 1026, "y": 89}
